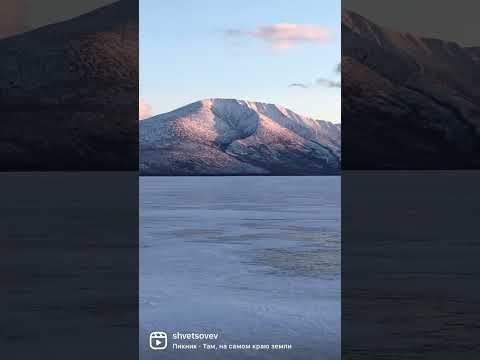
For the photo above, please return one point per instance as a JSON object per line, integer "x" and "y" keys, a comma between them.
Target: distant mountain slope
{"x": 407, "y": 102}
{"x": 68, "y": 93}
{"x": 234, "y": 137}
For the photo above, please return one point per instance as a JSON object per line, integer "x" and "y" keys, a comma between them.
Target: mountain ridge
{"x": 237, "y": 137}
{"x": 408, "y": 102}
{"x": 69, "y": 93}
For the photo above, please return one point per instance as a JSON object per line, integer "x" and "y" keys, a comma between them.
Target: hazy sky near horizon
{"x": 277, "y": 51}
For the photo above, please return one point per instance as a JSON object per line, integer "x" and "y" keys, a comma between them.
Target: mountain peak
{"x": 56, "y": 66}
{"x": 230, "y": 136}
{"x": 263, "y": 108}
{"x": 416, "y": 98}
{"x": 254, "y": 105}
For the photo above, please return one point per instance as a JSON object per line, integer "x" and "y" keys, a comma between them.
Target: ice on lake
{"x": 254, "y": 259}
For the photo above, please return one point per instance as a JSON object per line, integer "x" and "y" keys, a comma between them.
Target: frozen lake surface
{"x": 254, "y": 259}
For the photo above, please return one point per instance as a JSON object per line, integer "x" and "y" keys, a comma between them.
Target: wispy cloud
{"x": 328, "y": 83}
{"x": 318, "y": 82}
{"x": 286, "y": 35}
{"x": 144, "y": 110}
{"x": 300, "y": 85}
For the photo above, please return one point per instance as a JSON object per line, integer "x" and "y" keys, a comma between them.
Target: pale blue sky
{"x": 187, "y": 54}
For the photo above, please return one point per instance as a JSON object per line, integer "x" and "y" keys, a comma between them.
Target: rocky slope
{"x": 234, "y": 137}
{"x": 407, "y": 102}
{"x": 69, "y": 93}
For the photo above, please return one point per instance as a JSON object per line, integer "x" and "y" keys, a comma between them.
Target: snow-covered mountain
{"x": 408, "y": 102}
{"x": 235, "y": 137}
{"x": 68, "y": 93}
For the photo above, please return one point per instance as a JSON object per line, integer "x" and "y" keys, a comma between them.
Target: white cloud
{"x": 286, "y": 35}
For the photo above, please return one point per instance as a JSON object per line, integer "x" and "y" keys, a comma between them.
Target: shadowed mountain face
{"x": 69, "y": 93}
{"x": 234, "y": 137}
{"x": 407, "y": 102}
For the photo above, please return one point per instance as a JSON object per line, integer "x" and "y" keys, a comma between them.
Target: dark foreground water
{"x": 255, "y": 260}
